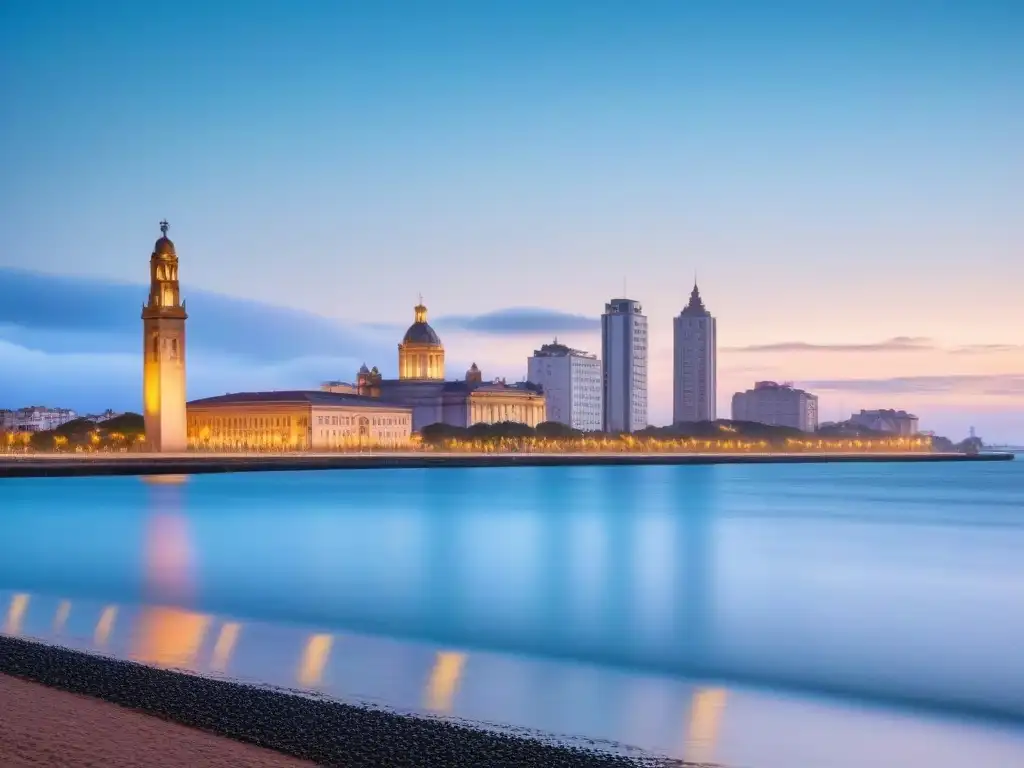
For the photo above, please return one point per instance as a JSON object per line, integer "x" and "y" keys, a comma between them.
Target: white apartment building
{"x": 571, "y": 380}
{"x": 887, "y": 420}
{"x": 695, "y": 363}
{"x": 780, "y": 405}
{"x": 35, "y": 418}
{"x": 624, "y": 354}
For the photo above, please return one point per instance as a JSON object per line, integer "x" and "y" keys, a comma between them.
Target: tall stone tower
{"x": 163, "y": 369}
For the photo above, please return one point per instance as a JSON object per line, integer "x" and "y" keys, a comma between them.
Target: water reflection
{"x": 444, "y": 681}
{"x": 702, "y": 730}
{"x": 225, "y": 646}
{"x": 105, "y": 625}
{"x": 314, "y": 659}
{"x": 684, "y": 719}
{"x": 61, "y": 617}
{"x": 15, "y": 613}
{"x": 837, "y": 579}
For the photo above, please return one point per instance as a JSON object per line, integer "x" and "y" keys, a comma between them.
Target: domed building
{"x": 421, "y": 386}
{"x": 421, "y": 353}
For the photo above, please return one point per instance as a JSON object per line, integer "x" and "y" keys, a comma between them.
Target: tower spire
{"x": 164, "y": 226}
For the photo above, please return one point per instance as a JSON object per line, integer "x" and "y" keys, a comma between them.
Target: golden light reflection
{"x": 61, "y": 618}
{"x": 314, "y": 659}
{"x": 15, "y": 614}
{"x": 165, "y": 479}
{"x": 704, "y": 718}
{"x": 168, "y": 558}
{"x": 444, "y": 681}
{"x": 169, "y": 636}
{"x": 105, "y": 625}
{"x": 225, "y": 646}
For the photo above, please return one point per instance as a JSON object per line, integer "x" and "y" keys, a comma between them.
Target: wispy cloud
{"x": 521, "y": 320}
{"x": 75, "y": 342}
{"x": 1005, "y": 385}
{"x": 58, "y": 314}
{"x": 986, "y": 349}
{"x": 895, "y": 344}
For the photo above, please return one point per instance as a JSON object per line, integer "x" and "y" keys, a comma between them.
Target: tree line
{"x": 119, "y": 433}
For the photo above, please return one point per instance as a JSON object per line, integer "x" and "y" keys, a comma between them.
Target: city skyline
{"x": 846, "y": 196}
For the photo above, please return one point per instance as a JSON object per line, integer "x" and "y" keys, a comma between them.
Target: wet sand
{"x": 100, "y": 711}
{"x": 40, "y": 726}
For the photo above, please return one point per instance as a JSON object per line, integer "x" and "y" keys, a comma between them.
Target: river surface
{"x": 765, "y": 615}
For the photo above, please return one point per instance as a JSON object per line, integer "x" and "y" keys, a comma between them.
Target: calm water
{"x": 628, "y": 603}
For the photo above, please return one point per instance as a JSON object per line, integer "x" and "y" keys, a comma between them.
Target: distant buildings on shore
{"x": 778, "y": 405}
{"x": 572, "y": 384}
{"x": 35, "y": 418}
{"x": 624, "y": 350}
{"x": 694, "y": 363}
{"x": 889, "y": 421}
{"x": 562, "y": 384}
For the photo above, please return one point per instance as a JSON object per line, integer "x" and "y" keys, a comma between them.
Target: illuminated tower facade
{"x": 163, "y": 370}
{"x": 421, "y": 354}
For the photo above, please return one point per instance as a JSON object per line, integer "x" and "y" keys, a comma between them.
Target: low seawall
{"x": 57, "y": 465}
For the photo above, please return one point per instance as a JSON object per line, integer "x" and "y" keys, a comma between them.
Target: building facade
{"x": 624, "y": 374}
{"x": 695, "y": 363}
{"x": 296, "y": 421}
{"x": 163, "y": 351}
{"x": 35, "y": 418}
{"x": 422, "y": 387}
{"x": 571, "y": 382}
{"x": 779, "y": 405}
{"x": 887, "y": 420}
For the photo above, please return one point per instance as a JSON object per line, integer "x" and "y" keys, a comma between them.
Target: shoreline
{"x": 85, "y": 464}
{"x": 317, "y": 729}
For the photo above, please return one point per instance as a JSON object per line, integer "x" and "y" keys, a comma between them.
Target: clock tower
{"x": 163, "y": 369}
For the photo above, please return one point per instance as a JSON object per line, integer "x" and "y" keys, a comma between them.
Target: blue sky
{"x": 837, "y": 174}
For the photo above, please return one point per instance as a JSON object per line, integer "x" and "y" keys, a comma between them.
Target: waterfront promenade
{"x": 85, "y": 464}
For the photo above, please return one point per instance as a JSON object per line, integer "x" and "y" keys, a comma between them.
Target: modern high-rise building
{"x": 695, "y": 363}
{"x": 571, "y": 381}
{"x": 780, "y": 405}
{"x": 624, "y": 353}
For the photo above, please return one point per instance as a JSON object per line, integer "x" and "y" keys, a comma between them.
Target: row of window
{"x": 376, "y": 421}
{"x": 247, "y": 422}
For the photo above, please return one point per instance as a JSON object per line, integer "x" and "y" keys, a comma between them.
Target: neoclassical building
{"x": 296, "y": 421}
{"x": 421, "y": 386}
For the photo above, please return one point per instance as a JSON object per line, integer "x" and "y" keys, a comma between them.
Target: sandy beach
{"x": 100, "y": 711}
{"x": 40, "y": 726}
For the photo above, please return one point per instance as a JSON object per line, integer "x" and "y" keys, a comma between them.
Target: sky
{"x": 844, "y": 179}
